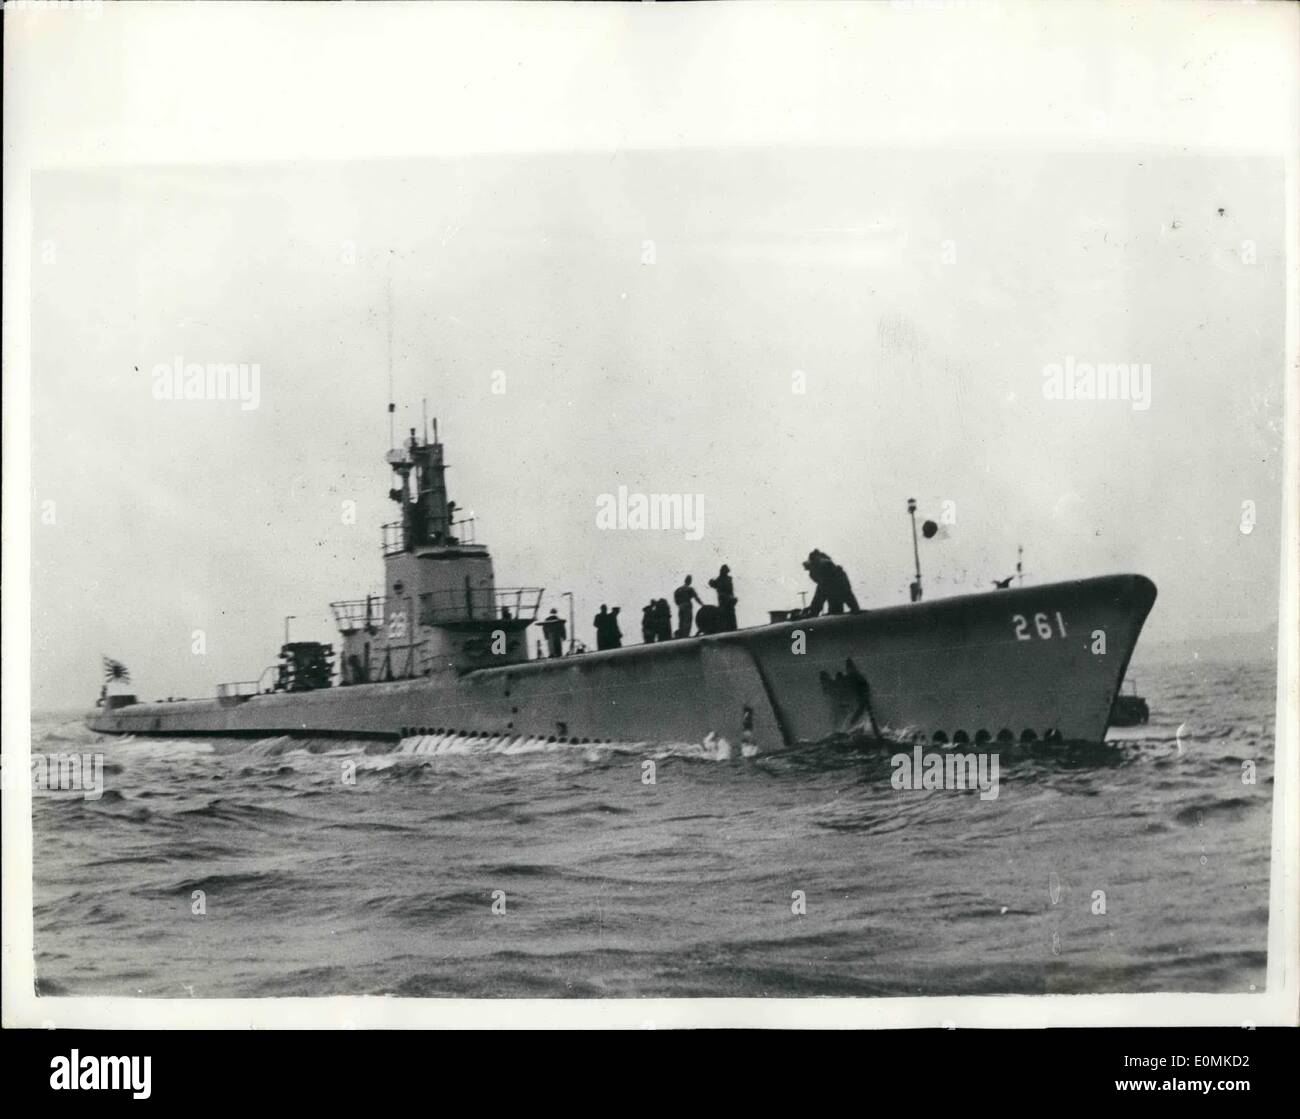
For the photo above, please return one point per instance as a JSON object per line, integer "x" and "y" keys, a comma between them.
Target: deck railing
{"x": 480, "y": 604}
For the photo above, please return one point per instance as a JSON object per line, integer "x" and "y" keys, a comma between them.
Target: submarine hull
{"x": 1042, "y": 662}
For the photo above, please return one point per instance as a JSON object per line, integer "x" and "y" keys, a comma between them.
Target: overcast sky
{"x": 651, "y": 309}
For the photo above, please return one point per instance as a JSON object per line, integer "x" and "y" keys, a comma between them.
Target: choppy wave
{"x": 494, "y": 867}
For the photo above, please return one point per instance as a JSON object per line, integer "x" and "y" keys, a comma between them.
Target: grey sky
{"x": 919, "y": 294}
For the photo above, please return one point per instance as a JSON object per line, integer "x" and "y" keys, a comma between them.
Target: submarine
{"x": 445, "y": 651}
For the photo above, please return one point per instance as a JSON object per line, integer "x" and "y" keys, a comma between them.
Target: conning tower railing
{"x": 394, "y": 535}
{"x": 359, "y": 613}
{"x": 478, "y": 604}
{"x": 443, "y": 608}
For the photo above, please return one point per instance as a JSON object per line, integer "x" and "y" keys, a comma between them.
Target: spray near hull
{"x": 1035, "y": 663}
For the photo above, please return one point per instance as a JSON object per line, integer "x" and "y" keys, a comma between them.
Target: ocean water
{"x": 485, "y": 870}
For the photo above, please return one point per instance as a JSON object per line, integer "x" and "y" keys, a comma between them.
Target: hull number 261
{"x": 1042, "y": 626}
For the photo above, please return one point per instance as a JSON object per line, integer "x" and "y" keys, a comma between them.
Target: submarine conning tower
{"x": 441, "y": 610}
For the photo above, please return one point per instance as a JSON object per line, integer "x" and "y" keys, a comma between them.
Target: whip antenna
{"x": 392, "y": 437}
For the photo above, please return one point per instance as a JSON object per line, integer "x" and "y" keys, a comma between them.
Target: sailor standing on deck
{"x": 648, "y": 623}
{"x": 601, "y": 623}
{"x": 726, "y": 597}
{"x": 663, "y": 620}
{"x": 554, "y": 630}
{"x": 685, "y": 597}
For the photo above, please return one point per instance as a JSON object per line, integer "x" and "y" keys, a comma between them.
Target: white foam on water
{"x": 460, "y": 744}
{"x": 148, "y": 747}
{"x": 711, "y": 748}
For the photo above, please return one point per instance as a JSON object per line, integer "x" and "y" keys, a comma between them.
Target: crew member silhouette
{"x": 648, "y": 622}
{"x": 726, "y": 597}
{"x": 554, "y": 630}
{"x": 833, "y": 588}
{"x": 663, "y": 620}
{"x": 686, "y": 598}
{"x": 604, "y": 625}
